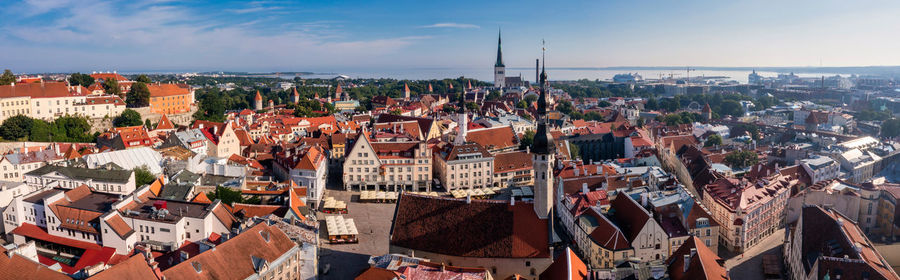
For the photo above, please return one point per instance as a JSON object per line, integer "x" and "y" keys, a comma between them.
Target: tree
{"x": 574, "y": 151}
{"x": 226, "y": 195}
{"x": 672, "y": 119}
{"x": 530, "y": 99}
{"x": 651, "y": 104}
{"x": 40, "y": 131}
{"x": 493, "y": 95}
{"x": 112, "y": 87}
{"x": 890, "y": 128}
{"x": 731, "y": 107}
{"x": 143, "y": 79}
{"x": 714, "y": 139}
{"x": 521, "y": 104}
{"x": 7, "y": 78}
{"x": 603, "y": 103}
{"x": 138, "y": 96}
{"x": 742, "y": 159}
{"x": 142, "y": 176}
{"x": 78, "y": 79}
{"x": 396, "y": 112}
{"x": 128, "y": 118}
{"x": 565, "y": 107}
{"x": 527, "y": 139}
{"x": 16, "y": 127}
{"x": 472, "y": 106}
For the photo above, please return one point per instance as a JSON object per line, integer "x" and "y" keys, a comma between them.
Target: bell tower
{"x": 543, "y": 155}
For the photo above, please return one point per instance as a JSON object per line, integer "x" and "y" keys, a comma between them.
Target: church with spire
{"x": 499, "y": 68}
{"x": 501, "y": 81}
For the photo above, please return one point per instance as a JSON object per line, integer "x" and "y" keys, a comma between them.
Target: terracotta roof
{"x": 36, "y": 90}
{"x": 106, "y": 76}
{"x": 243, "y": 137}
{"x": 119, "y": 226}
{"x": 704, "y": 264}
{"x": 377, "y": 273}
{"x": 164, "y": 123}
{"x": 224, "y": 216}
{"x": 234, "y": 259}
{"x": 605, "y": 232}
{"x": 16, "y": 266}
{"x": 480, "y": 229}
{"x": 567, "y": 266}
{"x": 496, "y": 138}
{"x": 159, "y": 90}
{"x": 629, "y": 215}
{"x": 201, "y": 198}
{"x": 135, "y": 267}
{"x": 679, "y": 141}
{"x": 253, "y": 210}
{"x": 294, "y": 201}
{"x": 512, "y": 161}
{"x": 828, "y": 235}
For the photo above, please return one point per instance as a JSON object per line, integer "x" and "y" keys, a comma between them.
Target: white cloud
{"x": 168, "y": 37}
{"x": 451, "y": 25}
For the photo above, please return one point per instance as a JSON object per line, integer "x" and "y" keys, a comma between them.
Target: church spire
{"x": 543, "y": 141}
{"x": 499, "y": 62}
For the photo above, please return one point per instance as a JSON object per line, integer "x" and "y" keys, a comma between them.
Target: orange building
{"x": 170, "y": 98}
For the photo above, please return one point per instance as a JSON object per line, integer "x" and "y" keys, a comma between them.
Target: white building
{"x": 821, "y": 168}
{"x": 108, "y": 181}
{"x": 859, "y": 165}
{"x": 306, "y": 166}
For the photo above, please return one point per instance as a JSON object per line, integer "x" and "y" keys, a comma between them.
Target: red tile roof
{"x": 107, "y": 76}
{"x": 17, "y": 267}
{"x": 233, "y": 259}
{"x": 480, "y": 229}
{"x": 512, "y": 161}
{"x": 37, "y": 90}
{"x": 629, "y": 215}
{"x": 134, "y": 268}
{"x": 567, "y": 266}
{"x": 119, "y": 225}
{"x": 253, "y": 210}
{"x": 159, "y": 90}
{"x": 164, "y": 123}
{"x": 704, "y": 264}
{"x": 496, "y": 138}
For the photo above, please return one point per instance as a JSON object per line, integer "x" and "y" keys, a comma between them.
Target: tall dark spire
{"x": 543, "y": 141}
{"x": 499, "y": 62}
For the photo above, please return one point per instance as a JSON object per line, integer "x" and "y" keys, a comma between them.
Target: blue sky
{"x": 165, "y": 35}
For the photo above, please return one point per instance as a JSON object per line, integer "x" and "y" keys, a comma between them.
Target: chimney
{"x": 468, "y": 199}
{"x": 687, "y": 262}
{"x": 693, "y": 252}
{"x": 512, "y": 201}
{"x": 584, "y": 188}
{"x": 645, "y": 199}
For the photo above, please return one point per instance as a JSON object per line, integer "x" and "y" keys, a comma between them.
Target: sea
{"x": 555, "y": 74}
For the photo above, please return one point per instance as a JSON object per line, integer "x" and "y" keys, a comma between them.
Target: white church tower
{"x": 499, "y": 68}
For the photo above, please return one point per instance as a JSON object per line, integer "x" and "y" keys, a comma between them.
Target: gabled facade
{"x": 388, "y": 165}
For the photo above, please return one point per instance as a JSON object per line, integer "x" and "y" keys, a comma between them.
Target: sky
{"x": 345, "y": 35}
